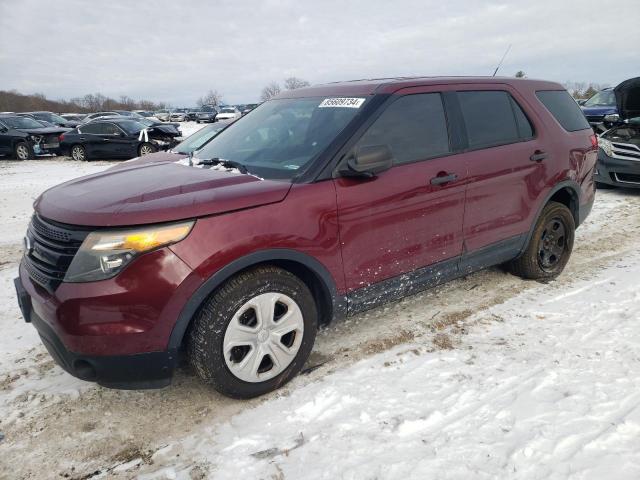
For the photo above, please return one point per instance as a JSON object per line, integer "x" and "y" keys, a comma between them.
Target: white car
{"x": 163, "y": 115}
{"x": 228, "y": 113}
{"x": 178, "y": 116}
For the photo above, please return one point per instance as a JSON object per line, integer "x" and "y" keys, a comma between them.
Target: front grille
{"x": 626, "y": 151}
{"x": 52, "y": 247}
{"x": 595, "y": 118}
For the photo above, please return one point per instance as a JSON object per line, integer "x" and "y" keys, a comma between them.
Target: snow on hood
{"x": 155, "y": 192}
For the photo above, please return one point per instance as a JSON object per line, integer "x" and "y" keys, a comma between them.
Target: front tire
{"x": 146, "y": 149}
{"x": 253, "y": 334}
{"x": 22, "y": 151}
{"x": 550, "y": 245}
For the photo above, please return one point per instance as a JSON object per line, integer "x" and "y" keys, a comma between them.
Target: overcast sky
{"x": 175, "y": 51}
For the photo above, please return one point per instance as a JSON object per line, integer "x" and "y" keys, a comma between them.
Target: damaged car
{"x": 619, "y": 146}
{"x": 121, "y": 138}
{"x": 23, "y": 137}
{"x": 603, "y": 109}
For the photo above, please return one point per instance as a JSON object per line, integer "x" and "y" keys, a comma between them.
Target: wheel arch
{"x": 566, "y": 193}
{"x": 309, "y": 270}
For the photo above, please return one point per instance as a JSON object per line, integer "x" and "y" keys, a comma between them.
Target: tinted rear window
{"x": 489, "y": 118}
{"x": 564, "y": 108}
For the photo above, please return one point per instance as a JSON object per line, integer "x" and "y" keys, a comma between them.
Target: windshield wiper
{"x": 225, "y": 163}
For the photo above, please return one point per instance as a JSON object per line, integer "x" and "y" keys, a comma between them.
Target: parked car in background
{"x": 93, "y": 116}
{"x": 145, "y": 113}
{"x": 163, "y": 115}
{"x": 247, "y": 108}
{"x": 326, "y": 201}
{"x": 188, "y": 145}
{"x": 207, "y": 114}
{"x": 228, "y": 113}
{"x": 171, "y": 129}
{"x": 179, "y": 115}
{"x": 192, "y": 114}
{"x": 619, "y": 152}
{"x": 603, "y": 109}
{"x": 114, "y": 138}
{"x": 23, "y": 137}
{"x": 51, "y": 118}
{"x": 74, "y": 117}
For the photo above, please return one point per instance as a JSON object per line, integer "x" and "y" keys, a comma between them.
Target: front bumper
{"x": 114, "y": 332}
{"x": 617, "y": 172}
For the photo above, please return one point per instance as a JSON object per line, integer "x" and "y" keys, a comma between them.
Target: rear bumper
{"x": 137, "y": 371}
{"x": 617, "y": 172}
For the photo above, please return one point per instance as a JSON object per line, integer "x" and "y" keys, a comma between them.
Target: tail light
{"x": 61, "y": 137}
{"x": 594, "y": 141}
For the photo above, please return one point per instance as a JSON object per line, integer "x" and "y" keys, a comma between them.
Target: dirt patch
{"x": 443, "y": 341}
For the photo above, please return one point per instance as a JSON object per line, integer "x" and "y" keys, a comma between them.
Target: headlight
{"x": 606, "y": 146}
{"x": 104, "y": 254}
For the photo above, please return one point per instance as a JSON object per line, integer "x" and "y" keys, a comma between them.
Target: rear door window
{"x": 564, "y": 108}
{"x": 92, "y": 128}
{"x": 414, "y": 127}
{"x": 490, "y": 119}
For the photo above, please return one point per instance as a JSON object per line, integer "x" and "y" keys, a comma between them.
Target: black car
{"x": 619, "y": 146}
{"x": 119, "y": 137}
{"x": 23, "y": 137}
{"x": 51, "y": 118}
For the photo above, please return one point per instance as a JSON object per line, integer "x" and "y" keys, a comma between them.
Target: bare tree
{"x": 269, "y": 91}
{"x": 292, "y": 83}
{"x": 211, "y": 98}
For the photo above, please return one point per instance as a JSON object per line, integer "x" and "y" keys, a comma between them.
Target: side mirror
{"x": 369, "y": 161}
{"x": 581, "y": 101}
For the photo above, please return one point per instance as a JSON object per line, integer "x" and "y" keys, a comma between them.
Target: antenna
{"x": 501, "y": 60}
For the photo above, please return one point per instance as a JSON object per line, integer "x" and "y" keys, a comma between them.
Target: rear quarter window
{"x": 564, "y": 109}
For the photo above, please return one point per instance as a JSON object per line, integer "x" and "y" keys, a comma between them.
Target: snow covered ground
{"x": 485, "y": 377}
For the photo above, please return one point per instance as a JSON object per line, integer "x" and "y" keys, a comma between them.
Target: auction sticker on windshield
{"x": 341, "y": 103}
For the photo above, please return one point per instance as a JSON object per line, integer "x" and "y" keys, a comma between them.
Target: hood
{"x": 628, "y": 98}
{"x": 43, "y": 130}
{"x": 143, "y": 193}
{"x": 162, "y": 156}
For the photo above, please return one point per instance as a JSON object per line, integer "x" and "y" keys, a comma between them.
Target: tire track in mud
{"x": 99, "y": 429}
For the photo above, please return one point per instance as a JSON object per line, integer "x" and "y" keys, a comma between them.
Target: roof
{"x": 391, "y": 85}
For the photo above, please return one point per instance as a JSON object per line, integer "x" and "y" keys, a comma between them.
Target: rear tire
{"x": 550, "y": 245}
{"x": 79, "y": 153}
{"x": 254, "y": 333}
{"x": 22, "y": 151}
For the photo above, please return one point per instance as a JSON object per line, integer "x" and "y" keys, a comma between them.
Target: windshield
{"x": 281, "y": 137}
{"x": 131, "y": 126}
{"x": 21, "y": 122}
{"x": 604, "y": 98}
{"x": 198, "y": 139}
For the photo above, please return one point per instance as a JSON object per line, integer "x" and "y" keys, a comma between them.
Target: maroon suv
{"x": 321, "y": 203}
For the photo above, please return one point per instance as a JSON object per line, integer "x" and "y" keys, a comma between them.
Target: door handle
{"x": 538, "y": 156}
{"x": 444, "y": 177}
